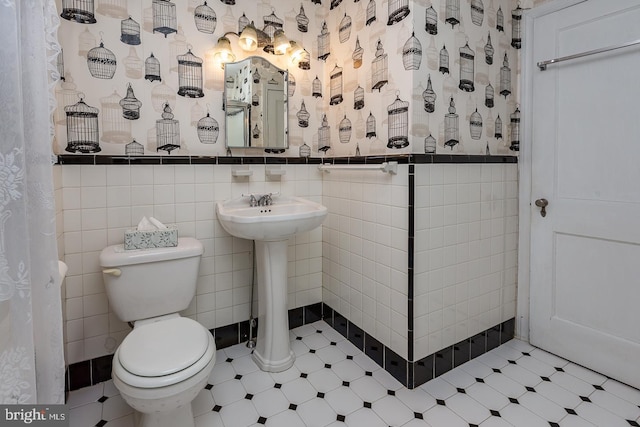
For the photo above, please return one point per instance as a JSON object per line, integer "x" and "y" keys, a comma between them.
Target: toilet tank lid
{"x": 116, "y": 255}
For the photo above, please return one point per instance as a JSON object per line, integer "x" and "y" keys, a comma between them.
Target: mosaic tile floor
{"x": 332, "y": 383}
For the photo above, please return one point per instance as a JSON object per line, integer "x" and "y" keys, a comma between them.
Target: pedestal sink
{"x": 271, "y": 226}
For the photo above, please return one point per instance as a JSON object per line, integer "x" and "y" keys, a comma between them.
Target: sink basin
{"x": 287, "y": 216}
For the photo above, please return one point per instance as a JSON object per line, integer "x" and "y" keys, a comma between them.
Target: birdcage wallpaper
{"x": 379, "y": 68}
{"x": 335, "y": 86}
{"x": 130, "y": 105}
{"x": 358, "y": 52}
{"x": 431, "y": 21}
{"x": 81, "y": 11}
{"x": 130, "y": 32}
{"x": 344, "y": 30}
{"x": 324, "y": 138}
{"x": 243, "y": 21}
{"x": 302, "y": 20}
{"x": 134, "y": 148}
{"x": 255, "y": 133}
{"x": 451, "y": 127}
{"x": 488, "y": 96}
{"x": 358, "y": 98}
{"x": 152, "y": 69}
{"x": 205, "y": 18}
{"x": 304, "y": 151}
{"x": 291, "y": 85}
{"x": 488, "y": 51}
{"x": 165, "y": 20}
{"x": 500, "y": 20}
{"x": 429, "y": 144}
{"x": 208, "y": 130}
{"x": 477, "y": 12}
{"x": 86, "y": 42}
{"x": 398, "y": 119}
{"x": 60, "y": 64}
{"x": 497, "y": 133}
{"x": 475, "y": 125}
{"x": 66, "y": 94}
{"x": 467, "y": 67}
{"x": 371, "y": 126}
{"x": 101, "y": 62}
{"x": 371, "y": 12}
{"x": 514, "y": 126}
{"x": 429, "y": 97}
{"x": 115, "y": 128}
{"x": 190, "y": 75}
{"x": 334, "y": 4}
{"x": 82, "y": 128}
{"x": 516, "y": 27}
{"x": 443, "y": 64}
{"x": 412, "y": 53}
{"x": 324, "y": 43}
{"x": 398, "y": 10}
{"x": 303, "y": 116}
{"x": 316, "y": 88}
{"x": 133, "y": 65}
{"x": 167, "y": 131}
{"x": 344, "y": 130}
{"x": 255, "y": 100}
{"x": 505, "y": 77}
{"x": 452, "y": 12}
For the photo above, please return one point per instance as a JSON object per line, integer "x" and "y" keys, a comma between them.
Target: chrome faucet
{"x": 261, "y": 200}
{"x": 253, "y": 201}
{"x": 265, "y": 200}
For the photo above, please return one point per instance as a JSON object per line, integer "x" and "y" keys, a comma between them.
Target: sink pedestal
{"x": 272, "y": 352}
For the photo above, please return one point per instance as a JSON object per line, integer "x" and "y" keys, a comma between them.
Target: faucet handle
{"x": 268, "y": 201}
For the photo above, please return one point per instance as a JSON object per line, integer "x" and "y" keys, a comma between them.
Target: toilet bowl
{"x": 165, "y": 361}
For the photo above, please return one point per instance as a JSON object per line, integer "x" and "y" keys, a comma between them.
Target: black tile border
{"x": 93, "y": 159}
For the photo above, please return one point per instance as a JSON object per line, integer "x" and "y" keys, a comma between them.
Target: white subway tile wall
{"x": 465, "y": 251}
{"x": 95, "y": 204}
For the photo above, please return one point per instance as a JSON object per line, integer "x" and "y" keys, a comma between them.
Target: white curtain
{"x": 31, "y": 348}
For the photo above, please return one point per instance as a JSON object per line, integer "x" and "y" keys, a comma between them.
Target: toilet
{"x": 165, "y": 361}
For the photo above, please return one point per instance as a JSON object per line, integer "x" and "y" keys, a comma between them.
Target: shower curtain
{"x": 31, "y": 352}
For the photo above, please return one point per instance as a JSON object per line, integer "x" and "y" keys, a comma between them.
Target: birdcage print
{"x": 475, "y": 125}
{"x": 444, "y": 60}
{"x": 272, "y": 23}
{"x": 302, "y": 20}
{"x": 500, "y": 19}
{"x": 133, "y": 66}
{"x": 101, "y": 62}
{"x": 130, "y": 105}
{"x": 505, "y": 77}
{"x": 196, "y": 114}
{"x": 452, "y": 12}
{"x": 82, "y": 128}
{"x": 515, "y": 130}
{"x": 291, "y": 85}
{"x": 114, "y": 127}
{"x": 255, "y": 100}
{"x": 334, "y": 4}
{"x": 86, "y": 42}
{"x": 498, "y": 130}
{"x": 205, "y": 18}
{"x": 255, "y": 133}
{"x": 324, "y": 140}
{"x": 134, "y": 148}
{"x": 303, "y": 116}
{"x": 477, "y": 12}
{"x": 431, "y": 25}
{"x": 429, "y": 144}
{"x": 305, "y": 150}
{"x": 208, "y": 130}
{"x": 371, "y": 126}
{"x": 229, "y": 2}
{"x": 398, "y": 121}
{"x": 129, "y": 32}
{"x": 190, "y": 75}
{"x": 81, "y": 11}
{"x": 112, "y": 8}
{"x": 344, "y": 30}
{"x": 466, "y": 68}
{"x": 344, "y": 130}
{"x": 371, "y": 12}
{"x": 167, "y": 131}
{"x": 488, "y": 51}
{"x": 66, "y": 94}
{"x": 316, "y": 1}
{"x": 379, "y": 68}
{"x": 324, "y": 43}
{"x": 305, "y": 61}
{"x": 176, "y": 47}
{"x": 358, "y": 98}
{"x": 429, "y": 97}
{"x": 152, "y": 69}
{"x": 316, "y": 88}
{"x": 335, "y": 86}
{"x": 488, "y": 96}
{"x": 60, "y": 64}
{"x": 243, "y": 21}
{"x": 451, "y": 129}
{"x": 164, "y": 17}
{"x": 398, "y": 10}
{"x": 412, "y": 53}
{"x": 358, "y": 52}
{"x": 516, "y": 27}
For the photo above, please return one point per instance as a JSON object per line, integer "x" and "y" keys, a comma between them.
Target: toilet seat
{"x": 163, "y": 353}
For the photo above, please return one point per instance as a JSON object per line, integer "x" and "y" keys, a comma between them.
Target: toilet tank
{"x": 148, "y": 283}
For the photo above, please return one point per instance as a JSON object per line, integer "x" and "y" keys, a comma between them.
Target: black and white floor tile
{"x": 332, "y": 383}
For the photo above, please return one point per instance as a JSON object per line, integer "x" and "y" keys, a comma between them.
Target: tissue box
{"x": 135, "y": 239}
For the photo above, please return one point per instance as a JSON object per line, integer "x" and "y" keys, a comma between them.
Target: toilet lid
{"x": 164, "y": 347}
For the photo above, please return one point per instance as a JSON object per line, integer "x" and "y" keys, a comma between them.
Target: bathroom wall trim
{"x": 75, "y": 159}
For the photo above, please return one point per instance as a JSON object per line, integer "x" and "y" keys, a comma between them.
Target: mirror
{"x": 256, "y": 105}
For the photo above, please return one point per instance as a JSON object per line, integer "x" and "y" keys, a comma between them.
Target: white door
{"x": 585, "y": 254}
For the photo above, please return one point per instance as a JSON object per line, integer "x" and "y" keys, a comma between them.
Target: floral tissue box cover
{"x": 135, "y": 239}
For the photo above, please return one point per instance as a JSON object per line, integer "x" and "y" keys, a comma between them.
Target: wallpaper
{"x": 393, "y": 76}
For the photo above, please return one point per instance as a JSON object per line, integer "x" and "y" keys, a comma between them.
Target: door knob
{"x": 542, "y": 204}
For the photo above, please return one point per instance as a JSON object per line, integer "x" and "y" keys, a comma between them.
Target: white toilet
{"x": 166, "y": 359}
